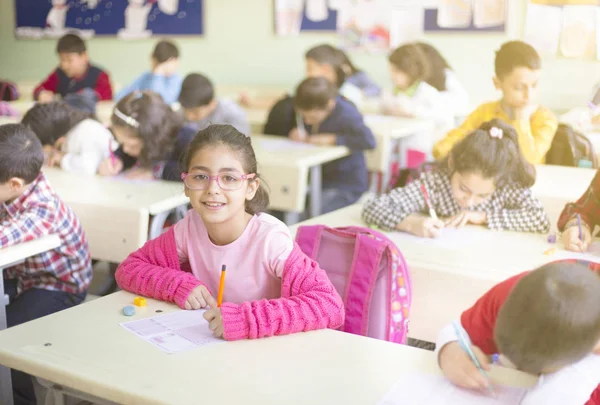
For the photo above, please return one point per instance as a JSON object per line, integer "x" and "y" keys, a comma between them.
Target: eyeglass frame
{"x": 249, "y": 176}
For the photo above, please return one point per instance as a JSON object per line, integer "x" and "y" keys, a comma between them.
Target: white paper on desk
{"x": 175, "y": 332}
{"x": 450, "y": 238}
{"x": 591, "y": 255}
{"x": 425, "y": 389}
{"x": 275, "y": 145}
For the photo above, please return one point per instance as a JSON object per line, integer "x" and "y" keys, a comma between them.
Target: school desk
{"x": 117, "y": 215}
{"x": 10, "y": 256}
{"x": 448, "y": 277}
{"x": 85, "y": 349}
{"x": 291, "y": 170}
{"x": 9, "y": 120}
{"x": 103, "y": 109}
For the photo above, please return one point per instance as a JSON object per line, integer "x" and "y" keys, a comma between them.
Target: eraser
{"x": 550, "y": 251}
{"x": 139, "y": 301}
{"x": 129, "y": 310}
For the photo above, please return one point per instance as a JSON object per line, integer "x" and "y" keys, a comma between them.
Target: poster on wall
{"x": 467, "y": 15}
{"x": 127, "y": 19}
{"x": 295, "y": 16}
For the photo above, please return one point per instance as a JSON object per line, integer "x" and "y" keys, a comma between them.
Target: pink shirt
{"x": 254, "y": 261}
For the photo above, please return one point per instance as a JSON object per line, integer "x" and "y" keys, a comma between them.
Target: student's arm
{"x": 519, "y": 211}
{"x": 135, "y": 85}
{"x": 308, "y": 302}
{"x": 280, "y": 121}
{"x": 237, "y": 117}
{"x": 167, "y": 86}
{"x": 103, "y": 87}
{"x": 471, "y": 123}
{"x": 49, "y": 84}
{"x": 588, "y": 206}
{"x": 387, "y": 211}
{"x": 355, "y": 135}
{"x": 38, "y": 221}
{"x": 536, "y": 134}
{"x": 154, "y": 270}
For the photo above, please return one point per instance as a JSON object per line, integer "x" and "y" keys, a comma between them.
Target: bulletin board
{"x": 126, "y": 19}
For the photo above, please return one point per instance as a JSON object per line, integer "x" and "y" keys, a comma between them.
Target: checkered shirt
{"x": 39, "y": 212}
{"x": 588, "y": 206}
{"x": 511, "y": 208}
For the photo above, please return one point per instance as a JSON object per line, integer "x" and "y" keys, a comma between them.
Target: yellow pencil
{"x": 221, "y": 286}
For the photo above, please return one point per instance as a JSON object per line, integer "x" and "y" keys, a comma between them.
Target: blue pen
{"x": 465, "y": 343}
{"x": 579, "y": 225}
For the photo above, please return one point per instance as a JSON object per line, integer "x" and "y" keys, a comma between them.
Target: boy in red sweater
{"x": 74, "y": 74}
{"x": 544, "y": 322}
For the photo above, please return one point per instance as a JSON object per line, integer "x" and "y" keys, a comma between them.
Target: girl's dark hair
{"x": 314, "y": 93}
{"x": 351, "y": 69}
{"x": 411, "y": 59}
{"x": 21, "y": 153}
{"x": 53, "y": 120}
{"x": 329, "y": 55}
{"x": 227, "y": 135}
{"x": 437, "y": 66}
{"x": 497, "y": 158}
{"x": 158, "y": 124}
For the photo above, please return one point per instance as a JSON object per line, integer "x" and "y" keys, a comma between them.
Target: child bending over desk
{"x": 71, "y": 138}
{"x": 544, "y": 322}
{"x": 317, "y": 115}
{"x": 29, "y": 209}
{"x": 272, "y": 288}
{"x": 485, "y": 180}
{"x": 152, "y": 138}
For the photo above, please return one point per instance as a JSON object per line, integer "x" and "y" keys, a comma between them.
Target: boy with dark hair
{"x": 518, "y": 69}
{"x": 545, "y": 322}
{"x": 163, "y": 77}
{"x": 201, "y": 108}
{"x": 29, "y": 209}
{"x": 319, "y": 116}
{"x": 75, "y": 74}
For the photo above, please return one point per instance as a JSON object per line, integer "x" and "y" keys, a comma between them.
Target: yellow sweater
{"x": 535, "y": 135}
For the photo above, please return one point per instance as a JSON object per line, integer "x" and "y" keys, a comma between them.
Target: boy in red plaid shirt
{"x": 29, "y": 208}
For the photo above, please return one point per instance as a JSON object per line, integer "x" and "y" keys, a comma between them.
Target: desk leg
{"x": 157, "y": 223}
{"x": 315, "y": 191}
{"x": 6, "y": 394}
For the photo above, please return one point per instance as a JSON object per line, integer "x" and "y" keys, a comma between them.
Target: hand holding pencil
{"x": 576, "y": 236}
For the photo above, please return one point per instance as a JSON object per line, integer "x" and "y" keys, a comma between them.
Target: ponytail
{"x": 260, "y": 201}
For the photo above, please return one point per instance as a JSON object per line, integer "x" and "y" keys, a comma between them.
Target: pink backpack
{"x": 369, "y": 273}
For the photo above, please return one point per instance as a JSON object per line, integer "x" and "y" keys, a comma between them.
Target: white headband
{"x": 126, "y": 118}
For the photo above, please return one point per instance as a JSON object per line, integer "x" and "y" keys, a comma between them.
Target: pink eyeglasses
{"x": 226, "y": 181}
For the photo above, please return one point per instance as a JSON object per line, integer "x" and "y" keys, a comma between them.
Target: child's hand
{"x": 107, "y": 168}
{"x": 244, "y": 99}
{"x": 524, "y": 113}
{"x": 200, "y": 298}
{"x": 45, "y": 96}
{"x": 215, "y": 320}
{"x": 570, "y": 238}
{"x": 297, "y": 135}
{"x": 460, "y": 369}
{"x": 466, "y": 217}
{"x": 55, "y": 158}
{"x": 323, "y": 139}
{"x": 419, "y": 225}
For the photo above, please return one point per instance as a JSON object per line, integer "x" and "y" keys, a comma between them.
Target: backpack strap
{"x": 308, "y": 237}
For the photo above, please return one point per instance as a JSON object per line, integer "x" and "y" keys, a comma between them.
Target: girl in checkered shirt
{"x": 485, "y": 180}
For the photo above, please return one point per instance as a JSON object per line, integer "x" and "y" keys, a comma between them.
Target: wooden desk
{"x": 286, "y": 172}
{"x": 118, "y": 216}
{"x": 10, "y": 256}
{"x": 90, "y": 352}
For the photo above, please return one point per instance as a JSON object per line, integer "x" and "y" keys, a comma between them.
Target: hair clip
{"x": 138, "y": 95}
{"x": 496, "y": 132}
{"x": 126, "y": 118}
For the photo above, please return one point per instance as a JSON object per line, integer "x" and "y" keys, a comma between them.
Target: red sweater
{"x": 479, "y": 320}
{"x": 95, "y": 78}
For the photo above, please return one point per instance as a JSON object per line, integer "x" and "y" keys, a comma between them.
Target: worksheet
{"x": 428, "y": 389}
{"x": 275, "y": 145}
{"x": 175, "y": 332}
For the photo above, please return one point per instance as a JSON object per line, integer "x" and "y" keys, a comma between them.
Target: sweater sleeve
{"x": 49, "y": 84}
{"x": 154, "y": 271}
{"x": 520, "y": 211}
{"x": 308, "y": 302}
{"x": 355, "y": 135}
{"x": 103, "y": 87}
{"x": 536, "y": 134}
{"x": 471, "y": 123}
{"x": 137, "y": 84}
{"x": 588, "y": 206}
{"x": 388, "y": 210}
{"x": 237, "y": 117}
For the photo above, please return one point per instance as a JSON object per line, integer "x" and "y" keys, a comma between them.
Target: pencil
{"x": 432, "y": 213}
{"x": 579, "y": 226}
{"x": 221, "y": 286}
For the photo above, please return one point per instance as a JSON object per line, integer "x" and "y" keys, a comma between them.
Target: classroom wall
{"x": 239, "y": 47}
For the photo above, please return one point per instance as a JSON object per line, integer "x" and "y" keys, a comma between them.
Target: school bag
{"x": 369, "y": 273}
{"x": 8, "y": 91}
{"x": 571, "y": 148}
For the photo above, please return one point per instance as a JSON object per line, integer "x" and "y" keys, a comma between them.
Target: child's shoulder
{"x": 90, "y": 125}
{"x": 268, "y": 224}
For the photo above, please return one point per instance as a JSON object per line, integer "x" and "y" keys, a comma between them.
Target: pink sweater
{"x": 308, "y": 299}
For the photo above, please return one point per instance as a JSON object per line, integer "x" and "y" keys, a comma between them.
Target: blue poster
{"x": 127, "y": 19}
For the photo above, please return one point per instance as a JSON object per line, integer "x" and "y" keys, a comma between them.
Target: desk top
{"x": 397, "y": 127}
{"x": 90, "y": 352}
{"x": 153, "y": 196}
{"x": 280, "y": 151}
{"x": 103, "y": 109}
{"x": 14, "y": 254}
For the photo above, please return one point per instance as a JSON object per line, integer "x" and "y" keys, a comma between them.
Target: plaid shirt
{"x": 588, "y": 206}
{"x": 511, "y": 208}
{"x": 39, "y": 212}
